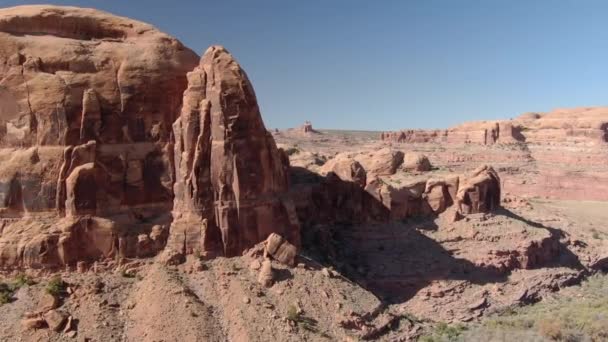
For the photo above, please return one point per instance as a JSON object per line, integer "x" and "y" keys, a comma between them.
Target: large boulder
{"x": 383, "y": 162}
{"x": 230, "y": 177}
{"x": 346, "y": 169}
{"x": 417, "y": 162}
{"x": 479, "y": 191}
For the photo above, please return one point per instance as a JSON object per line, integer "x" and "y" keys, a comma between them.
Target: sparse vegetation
{"x": 581, "y": 315}
{"x": 8, "y": 290}
{"x": 444, "y": 332}
{"x": 299, "y": 319}
{"x": 56, "y": 286}
{"x": 6, "y": 293}
{"x": 597, "y": 234}
{"x": 292, "y": 150}
{"x": 23, "y": 280}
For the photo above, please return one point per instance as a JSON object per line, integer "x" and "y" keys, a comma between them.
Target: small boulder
{"x": 255, "y": 265}
{"x": 280, "y": 249}
{"x": 48, "y": 302}
{"x": 266, "y": 275}
{"x": 346, "y": 169}
{"x": 32, "y": 323}
{"x": 55, "y": 319}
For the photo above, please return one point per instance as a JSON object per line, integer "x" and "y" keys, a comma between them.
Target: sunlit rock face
{"x": 231, "y": 179}
{"x": 87, "y": 103}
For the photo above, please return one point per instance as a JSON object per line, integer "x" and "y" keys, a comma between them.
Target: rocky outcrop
{"x": 230, "y": 178}
{"x": 560, "y": 154}
{"x": 416, "y": 162}
{"x": 91, "y": 155}
{"x": 347, "y": 169}
{"x": 336, "y": 199}
{"x": 87, "y": 100}
{"x": 479, "y": 191}
{"x": 80, "y": 81}
{"x": 483, "y": 133}
{"x": 383, "y": 162}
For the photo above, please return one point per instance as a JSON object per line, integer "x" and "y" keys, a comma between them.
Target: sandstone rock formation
{"x": 479, "y": 191}
{"x": 483, "y": 132}
{"x": 416, "y": 162}
{"x": 346, "y": 168}
{"x": 306, "y": 128}
{"x": 560, "y": 154}
{"x": 280, "y": 250}
{"x": 87, "y": 100}
{"x": 93, "y": 145}
{"x": 383, "y": 162}
{"x": 230, "y": 176}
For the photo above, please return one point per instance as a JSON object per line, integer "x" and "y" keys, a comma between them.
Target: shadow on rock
{"x": 348, "y": 228}
{"x": 562, "y": 255}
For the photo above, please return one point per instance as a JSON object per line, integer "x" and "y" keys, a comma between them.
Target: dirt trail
{"x": 166, "y": 310}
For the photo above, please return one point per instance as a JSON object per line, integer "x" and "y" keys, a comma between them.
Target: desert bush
{"x": 292, "y": 150}
{"x": 550, "y": 328}
{"x": 6, "y": 293}
{"x": 578, "y": 314}
{"x": 56, "y": 286}
{"x": 444, "y": 332}
{"x": 23, "y": 280}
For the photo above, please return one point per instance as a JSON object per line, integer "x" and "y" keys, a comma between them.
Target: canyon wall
{"x": 115, "y": 138}
{"x": 562, "y": 154}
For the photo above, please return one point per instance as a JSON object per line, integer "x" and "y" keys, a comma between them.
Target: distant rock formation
{"x": 582, "y": 125}
{"x": 307, "y": 128}
{"x": 351, "y": 193}
{"x": 484, "y": 133}
{"x": 560, "y": 154}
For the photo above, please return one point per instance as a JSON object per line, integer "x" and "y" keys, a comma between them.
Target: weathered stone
{"x": 230, "y": 179}
{"x": 48, "y": 302}
{"x": 32, "y": 323}
{"x": 416, "y": 162}
{"x": 55, "y": 319}
{"x": 87, "y": 100}
{"x": 346, "y": 168}
{"x": 383, "y": 162}
{"x": 479, "y": 192}
{"x": 280, "y": 249}
{"x": 266, "y": 275}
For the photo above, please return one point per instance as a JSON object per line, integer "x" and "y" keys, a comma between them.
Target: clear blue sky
{"x": 384, "y": 65}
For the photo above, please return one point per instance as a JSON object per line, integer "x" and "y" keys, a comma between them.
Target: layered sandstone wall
{"x": 103, "y": 119}
{"x": 231, "y": 179}
{"x": 560, "y": 155}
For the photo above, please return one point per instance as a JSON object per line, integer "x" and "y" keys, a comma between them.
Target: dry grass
{"x": 579, "y": 315}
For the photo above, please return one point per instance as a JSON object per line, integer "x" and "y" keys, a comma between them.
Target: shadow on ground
{"x": 348, "y": 228}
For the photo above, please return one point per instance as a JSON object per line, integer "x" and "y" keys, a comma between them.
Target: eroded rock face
{"x": 347, "y": 169}
{"x": 73, "y": 76}
{"x": 479, "y": 191}
{"x": 416, "y": 162}
{"x": 383, "y": 162}
{"x": 87, "y": 100}
{"x": 230, "y": 176}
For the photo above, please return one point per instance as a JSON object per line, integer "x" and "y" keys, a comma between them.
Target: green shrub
{"x": 6, "y": 293}
{"x": 23, "y": 280}
{"x": 56, "y": 286}
{"x": 444, "y": 332}
{"x": 292, "y": 150}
